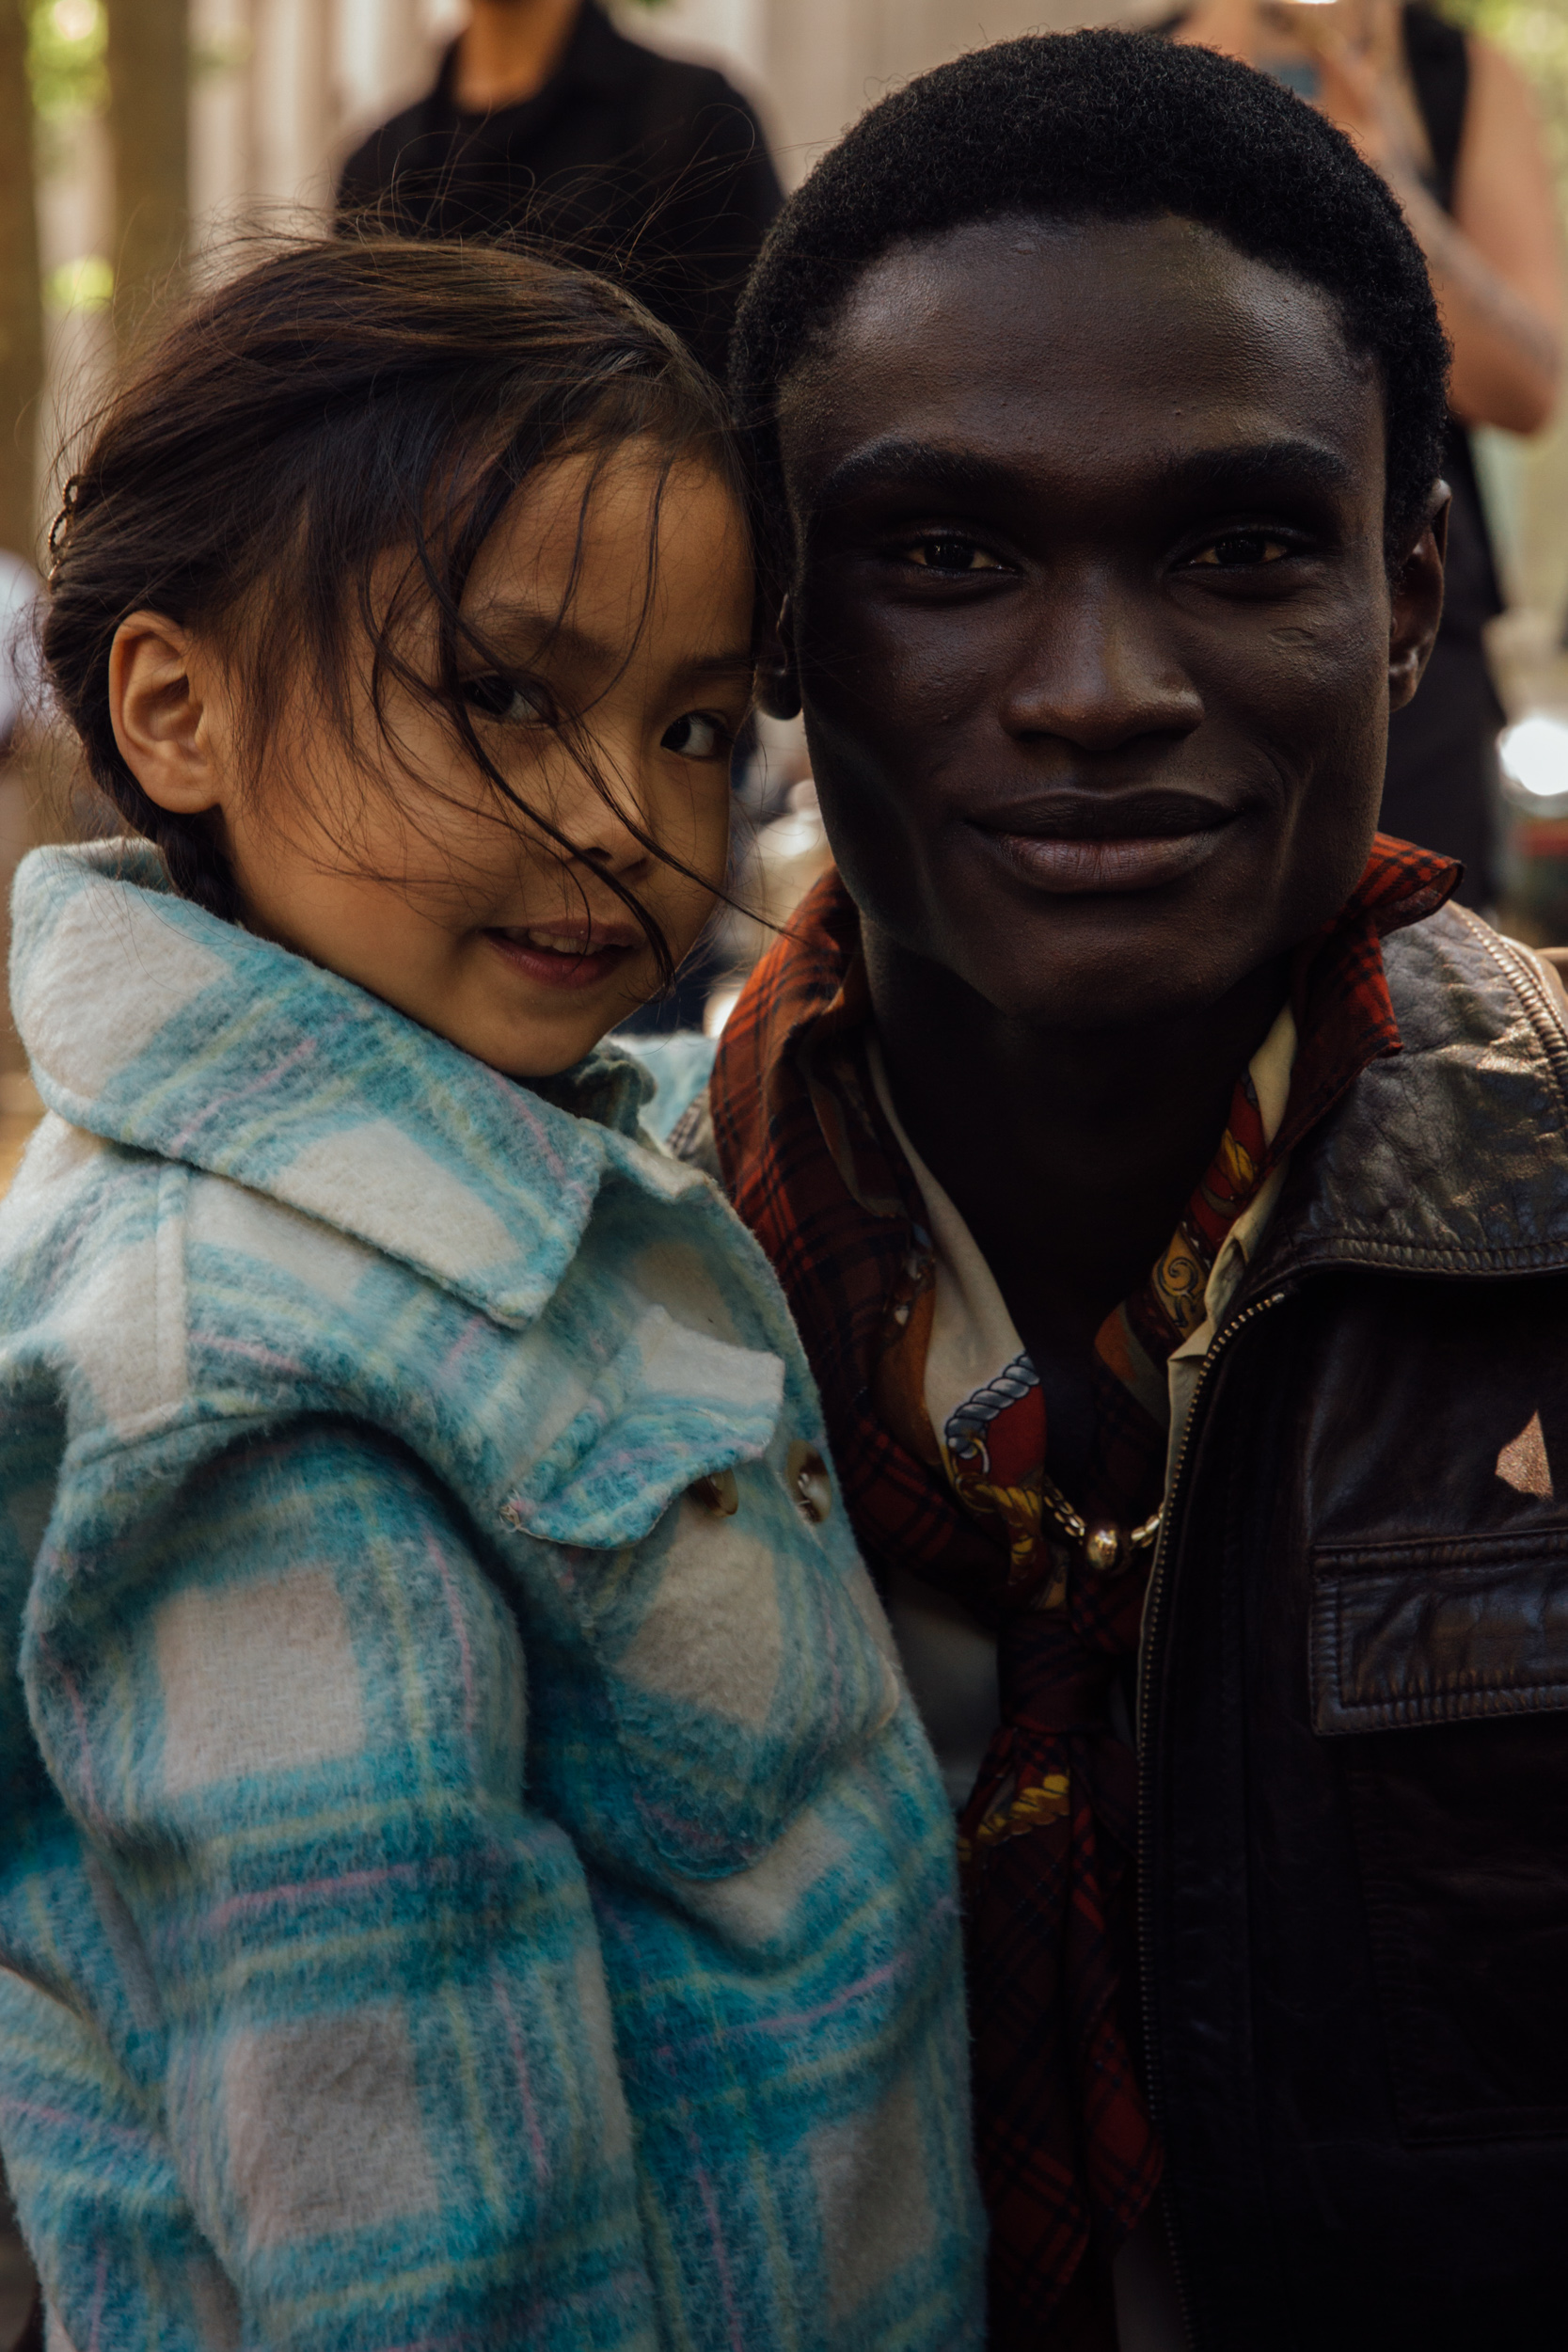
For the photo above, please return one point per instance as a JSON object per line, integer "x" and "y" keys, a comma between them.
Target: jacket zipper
{"x": 1150, "y": 1635}
{"x": 1528, "y": 982}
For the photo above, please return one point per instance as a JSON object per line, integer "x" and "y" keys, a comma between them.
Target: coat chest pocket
{"x": 717, "y": 1635}
{"x": 1443, "y": 1668}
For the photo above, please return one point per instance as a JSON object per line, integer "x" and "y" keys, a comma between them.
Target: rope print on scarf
{"x": 1068, "y": 2156}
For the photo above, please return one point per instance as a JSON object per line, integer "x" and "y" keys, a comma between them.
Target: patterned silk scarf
{"x": 1068, "y": 2158}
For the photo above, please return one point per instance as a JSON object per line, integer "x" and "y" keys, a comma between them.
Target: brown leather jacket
{"x": 1354, "y": 1730}
{"x": 1353, "y": 1733}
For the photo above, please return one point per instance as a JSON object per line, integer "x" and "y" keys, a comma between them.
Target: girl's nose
{"x": 603, "y": 814}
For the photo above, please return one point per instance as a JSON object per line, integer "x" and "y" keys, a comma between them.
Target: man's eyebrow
{"x": 1227, "y": 470}
{"x": 917, "y": 465}
{"x": 1230, "y": 470}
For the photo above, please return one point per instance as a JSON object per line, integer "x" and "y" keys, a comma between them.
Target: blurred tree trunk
{"x": 21, "y": 300}
{"x": 150, "y": 78}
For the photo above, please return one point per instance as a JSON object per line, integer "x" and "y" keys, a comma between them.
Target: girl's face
{"x": 395, "y": 863}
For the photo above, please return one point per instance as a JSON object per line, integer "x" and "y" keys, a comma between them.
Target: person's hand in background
{"x": 1495, "y": 260}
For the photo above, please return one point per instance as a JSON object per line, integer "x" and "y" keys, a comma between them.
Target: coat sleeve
{"x": 287, "y": 1708}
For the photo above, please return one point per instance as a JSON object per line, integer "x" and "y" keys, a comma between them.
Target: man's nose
{"x": 1098, "y": 670}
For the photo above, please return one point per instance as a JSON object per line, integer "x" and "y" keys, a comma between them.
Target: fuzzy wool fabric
{"x": 459, "y": 1887}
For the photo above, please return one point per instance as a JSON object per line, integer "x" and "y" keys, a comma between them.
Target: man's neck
{"x": 509, "y": 51}
{"x": 1071, "y": 1156}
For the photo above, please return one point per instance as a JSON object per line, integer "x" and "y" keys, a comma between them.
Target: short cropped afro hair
{"x": 1104, "y": 125}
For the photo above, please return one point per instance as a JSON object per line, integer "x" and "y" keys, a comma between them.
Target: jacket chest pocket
{"x": 716, "y": 1638}
{"x": 1443, "y": 1666}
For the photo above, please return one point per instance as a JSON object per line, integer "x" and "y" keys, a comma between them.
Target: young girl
{"x": 471, "y": 1877}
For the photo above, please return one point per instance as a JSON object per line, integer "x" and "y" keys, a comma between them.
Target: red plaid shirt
{"x": 1067, "y": 2158}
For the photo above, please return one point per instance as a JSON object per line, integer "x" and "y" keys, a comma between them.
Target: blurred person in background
{"x": 545, "y": 118}
{"x": 1450, "y": 125}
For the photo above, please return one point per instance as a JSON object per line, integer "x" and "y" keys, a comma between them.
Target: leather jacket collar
{"x": 1451, "y": 1155}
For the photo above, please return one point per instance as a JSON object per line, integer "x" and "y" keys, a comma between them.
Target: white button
{"x": 717, "y": 1492}
{"x": 810, "y": 1483}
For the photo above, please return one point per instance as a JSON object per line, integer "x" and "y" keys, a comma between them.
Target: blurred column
{"x": 150, "y": 78}
{"x": 20, "y": 302}
{"x": 822, "y": 63}
{"x": 819, "y": 55}
{"x": 221, "y": 119}
{"x": 383, "y": 57}
{"x": 295, "y": 103}
{"x": 731, "y": 33}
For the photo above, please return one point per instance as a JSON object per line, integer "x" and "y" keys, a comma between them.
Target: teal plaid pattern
{"x": 459, "y": 1888}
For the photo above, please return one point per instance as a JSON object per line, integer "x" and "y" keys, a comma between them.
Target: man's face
{"x": 1092, "y": 621}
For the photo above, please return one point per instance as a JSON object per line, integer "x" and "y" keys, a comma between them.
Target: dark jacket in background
{"x": 648, "y": 168}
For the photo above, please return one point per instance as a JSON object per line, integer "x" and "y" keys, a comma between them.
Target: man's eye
{"x": 1239, "y": 548}
{"x": 696, "y": 735}
{"x": 942, "y": 552}
{"x": 504, "y": 700}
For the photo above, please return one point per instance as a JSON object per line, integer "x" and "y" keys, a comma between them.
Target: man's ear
{"x": 778, "y": 684}
{"x": 1417, "y": 604}
{"x": 161, "y": 692}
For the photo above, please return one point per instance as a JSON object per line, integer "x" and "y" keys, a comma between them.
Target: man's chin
{"x": 1136, "y": 968}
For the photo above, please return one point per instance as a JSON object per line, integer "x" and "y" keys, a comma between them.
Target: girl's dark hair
{"x": 334, "y": 403}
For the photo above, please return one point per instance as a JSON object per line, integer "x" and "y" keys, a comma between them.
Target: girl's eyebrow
{"x": 741, "y": 659}
{"x": 507, "y": 615}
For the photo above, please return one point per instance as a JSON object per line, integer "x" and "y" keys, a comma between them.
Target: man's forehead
{"x": 1125, "y": 343}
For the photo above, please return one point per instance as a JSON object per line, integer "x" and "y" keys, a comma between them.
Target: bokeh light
{"x": 1534, "y": 755}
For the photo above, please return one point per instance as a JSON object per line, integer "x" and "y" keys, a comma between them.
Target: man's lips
{"x": 575, "y": 960}
{"x": 1078, "y": 845}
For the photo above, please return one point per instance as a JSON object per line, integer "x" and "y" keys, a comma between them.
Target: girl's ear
{"x": 160, "y": 696}
{"x": 777, "y": 686}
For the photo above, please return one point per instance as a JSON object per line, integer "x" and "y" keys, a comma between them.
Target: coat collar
{"x": 1451, "y": 1155}
{"x": 149, "y": 1021}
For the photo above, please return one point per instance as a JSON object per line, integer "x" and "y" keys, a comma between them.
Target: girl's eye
{"x": 696, "y": 735}
{"x": 503, "y": 700}
{"x": 1239, "y": 548}
{"x": 943, "y": 551}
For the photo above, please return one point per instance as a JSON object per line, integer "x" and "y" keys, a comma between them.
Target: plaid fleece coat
{"x": 471, "y": 1876}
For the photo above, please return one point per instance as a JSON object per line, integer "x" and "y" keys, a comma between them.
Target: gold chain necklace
{"x": 1104, "y": 1543}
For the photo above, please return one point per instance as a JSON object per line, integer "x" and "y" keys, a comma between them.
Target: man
{"x": 1099, "y": 394}
{"x": 545, "y": 120}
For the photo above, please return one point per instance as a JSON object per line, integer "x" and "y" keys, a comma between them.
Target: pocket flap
{"x": 1439, "y": 1632}
{"x": 673, "y": 1406}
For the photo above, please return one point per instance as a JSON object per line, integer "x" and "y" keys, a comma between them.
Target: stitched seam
{"x": 1460, "y": 1689}
{"x": 1553, "y": 1038}
{"x": 1428, "y": 1256}
{"x": 1451, "y": 1551}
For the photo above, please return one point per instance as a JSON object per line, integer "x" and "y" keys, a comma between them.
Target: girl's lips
{"x": 1083, "y": 867}
{"x": 567, "y": 968}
